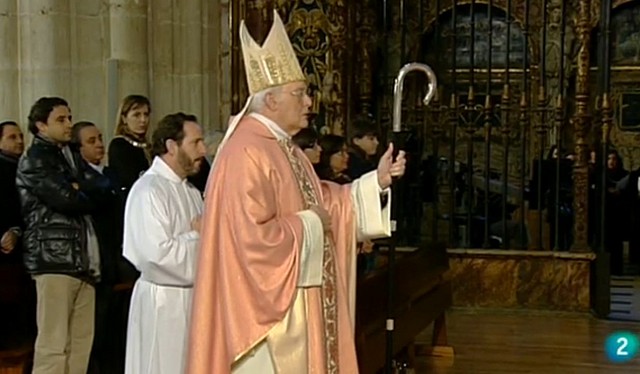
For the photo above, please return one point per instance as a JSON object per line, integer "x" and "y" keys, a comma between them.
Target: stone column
{"x": 189, "y": 53}
{"x": 89, "y": 86}
{"x": 129, "y": 45}
{"x": 224, "y": 64}
{"x": 9, "y": 86}
{"x": 45, "y": 51}
{"x": 162, "y": 55}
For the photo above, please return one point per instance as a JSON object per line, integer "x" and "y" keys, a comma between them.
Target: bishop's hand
{"x": 389, "y": 168}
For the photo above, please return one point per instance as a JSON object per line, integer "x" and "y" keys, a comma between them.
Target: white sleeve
{"x": 160, "y": 256}
{"x": 312, "y": 252}
{"x": 372, "y": 220}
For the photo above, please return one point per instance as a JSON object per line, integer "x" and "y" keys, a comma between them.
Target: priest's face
{"x": 294, "y": 103}
{"x": 192, "y": 150}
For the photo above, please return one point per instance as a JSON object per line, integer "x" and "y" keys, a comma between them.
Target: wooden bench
{"x": 423, "y": 294}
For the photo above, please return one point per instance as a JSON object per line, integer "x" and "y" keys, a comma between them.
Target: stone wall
{"x": 94, "y": 52}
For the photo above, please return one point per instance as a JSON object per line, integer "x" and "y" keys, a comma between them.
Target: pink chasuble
{"x": 250, "y": 253}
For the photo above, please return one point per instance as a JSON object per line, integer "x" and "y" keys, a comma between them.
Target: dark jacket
{"x": 359, "y": 163}
{"x": 127, "y": 162}
{"x": 55, "y": 236}
{"x": 9, "y": 204}
{"x": 109, "y": 224}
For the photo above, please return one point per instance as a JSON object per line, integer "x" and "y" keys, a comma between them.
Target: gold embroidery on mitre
{"x": 272, "y": 64}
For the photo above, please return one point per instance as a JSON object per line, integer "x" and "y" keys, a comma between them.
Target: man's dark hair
{"x": 41, "y": 109}
{"x": 170, "y": 127}
{"x": 305, "y": 138}
{"x": 363, "y": 126}
{"x": 4, "y": 124}
{"x": 75, "y": 132}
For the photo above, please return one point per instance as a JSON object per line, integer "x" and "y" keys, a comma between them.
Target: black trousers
{"x": 109, "y": 342}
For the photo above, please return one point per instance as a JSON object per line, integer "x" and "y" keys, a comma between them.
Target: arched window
{"x": 625, "y": 35}
{"x": 438, "y": 49}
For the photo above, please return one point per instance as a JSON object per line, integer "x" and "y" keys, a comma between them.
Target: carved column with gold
{"x": 319, "y": 33}
{"x": 364, "y": 73}
{"x": 581, "y": 122}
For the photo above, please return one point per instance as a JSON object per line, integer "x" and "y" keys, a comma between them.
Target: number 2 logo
{"x": 621, "y": 346}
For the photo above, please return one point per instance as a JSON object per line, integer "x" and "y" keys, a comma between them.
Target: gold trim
{"x": 619, "y": 68}
{"x": 133, "y": 142}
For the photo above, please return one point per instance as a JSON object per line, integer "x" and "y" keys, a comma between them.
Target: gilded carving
{"x": 318, "y": 33}
{"x": 625, "y": 142}
{"x": 517, "y": 11}
{"x": 553, "y": 49}
{"x": 581, "y": 122}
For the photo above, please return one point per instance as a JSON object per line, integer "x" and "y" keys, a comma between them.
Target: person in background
{"x": 17, "y": 296}
{"x": 617, "y": 212}
{"x": 363, "y": 148}
{"x": 11, "y": 148}
{"x": 107, "y": 354}
{"x": 129, "y": 150}
{"x": 334, "y": 159}
{"x": 307, "y": 140}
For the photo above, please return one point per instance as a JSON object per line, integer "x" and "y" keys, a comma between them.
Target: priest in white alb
{"x": 275, "y": 288}
{"x": 161, "y": 234}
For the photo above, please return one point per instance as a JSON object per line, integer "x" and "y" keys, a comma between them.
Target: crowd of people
{"x": 187, "y": 251}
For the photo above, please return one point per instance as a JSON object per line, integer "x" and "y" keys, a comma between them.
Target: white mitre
{"x": 270, "y": 65}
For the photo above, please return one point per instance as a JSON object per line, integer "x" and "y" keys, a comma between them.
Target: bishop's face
{"x": 294, "y": 103}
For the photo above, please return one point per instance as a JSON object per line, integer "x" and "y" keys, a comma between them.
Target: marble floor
{"x": 501, "y": 342}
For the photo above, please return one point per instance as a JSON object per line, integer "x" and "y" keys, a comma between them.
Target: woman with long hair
{"x": 129, "y": 151}
{"x": 307, "y": 140}
{"x": 334, "y": 159}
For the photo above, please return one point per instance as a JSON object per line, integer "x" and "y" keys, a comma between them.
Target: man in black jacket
{"x": 61, "y": 250}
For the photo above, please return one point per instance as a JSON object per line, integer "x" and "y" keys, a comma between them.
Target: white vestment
{"x": 372, "y": 221}
{"x": 159, "y": 242}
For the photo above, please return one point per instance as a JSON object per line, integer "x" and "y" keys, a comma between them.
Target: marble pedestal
{"x": 513, "y": 279}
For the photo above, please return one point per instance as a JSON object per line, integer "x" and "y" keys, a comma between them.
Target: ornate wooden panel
{"x": 319, "y": 31}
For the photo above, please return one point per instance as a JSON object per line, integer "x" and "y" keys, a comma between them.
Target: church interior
{"x": 516, "y": 246}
